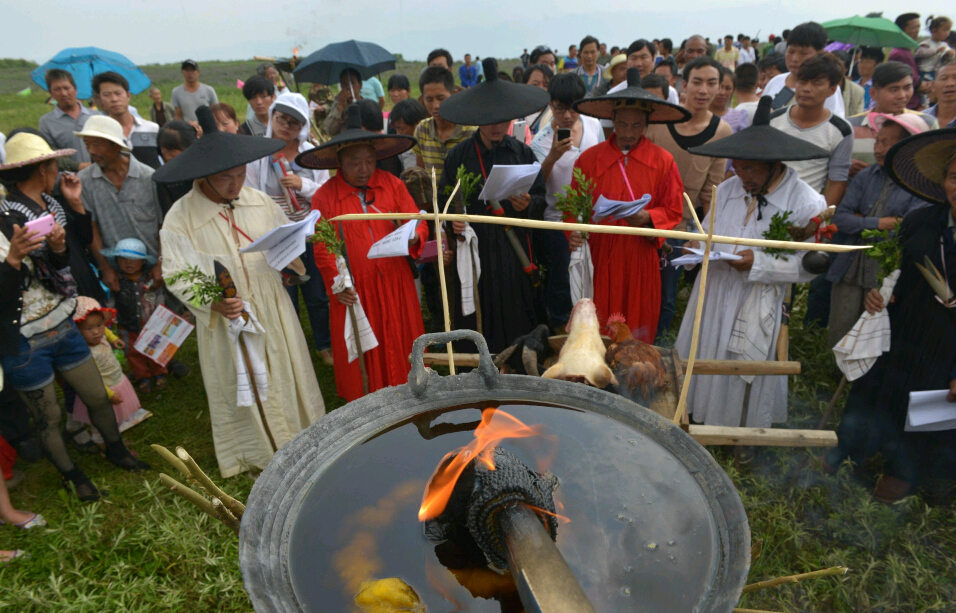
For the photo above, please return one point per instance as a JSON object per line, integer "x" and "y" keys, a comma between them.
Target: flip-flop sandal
{"x": 160, "y": 382}
{"x": 143, "y": 386}
{"x": 36, "y": 521}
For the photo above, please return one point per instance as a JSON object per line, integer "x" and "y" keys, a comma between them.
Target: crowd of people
{"x": 103, "y": 209}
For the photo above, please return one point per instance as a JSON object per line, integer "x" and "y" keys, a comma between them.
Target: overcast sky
{"x": 148, "y": 31}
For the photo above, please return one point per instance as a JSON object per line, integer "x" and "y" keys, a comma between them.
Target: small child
{"x": 92, "y": 321}
{"x": 135, "y": 303}
{"x": 934, "y": 50}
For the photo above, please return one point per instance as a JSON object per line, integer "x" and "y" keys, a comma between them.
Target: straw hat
{"x": 761, "y": 142}
{"x": 326, "y": 155}
{"x": 25, "y": 149}
{"x": 86, "y": 305}
{"x": 918, "y": 164}
{"x": 493, "y": 100}
{"x": 215, "y": 152}
{"x": 632, "y": 97}
{"x": 101, "y": 126}
{"x": 617, "y": 59}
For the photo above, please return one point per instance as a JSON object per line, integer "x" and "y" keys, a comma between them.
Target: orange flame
{"x": 562, "y": 519}
{"x": 295, "y": 52}
{"x": 495, "y": 427}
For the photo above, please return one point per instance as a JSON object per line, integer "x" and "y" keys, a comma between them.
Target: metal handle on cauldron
{"x": 418, "y": 376}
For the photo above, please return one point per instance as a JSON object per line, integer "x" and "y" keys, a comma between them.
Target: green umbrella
{"x": 869, "y": 32}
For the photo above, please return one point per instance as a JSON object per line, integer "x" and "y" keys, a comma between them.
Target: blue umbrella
{"x": 326, "y": 65}
{"x": 86, "y": 62}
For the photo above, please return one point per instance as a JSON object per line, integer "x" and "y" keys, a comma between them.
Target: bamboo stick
{"x": 682, "y": 402}
{"x": 762, "y": 437}
{"x": 196, "y": 473}
{"x": 693, "y": 214}
{"x": 739, "y": 610}
{"x": 452, "y": 197}
{"x": 170, "y": 457}
{"x": 600, "y": 229}
{"x": 189, "y": 494}
{"x": 441, "y": 270}
{"x": 836, "y": 570}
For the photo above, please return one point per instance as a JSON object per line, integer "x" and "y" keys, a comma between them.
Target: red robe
{"x": 627, "y": 276}
{"x": 385, "y": 286}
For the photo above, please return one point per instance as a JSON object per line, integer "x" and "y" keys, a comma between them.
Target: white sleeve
{"x": 835, "y": 103}
{"x": 785, "y": 269}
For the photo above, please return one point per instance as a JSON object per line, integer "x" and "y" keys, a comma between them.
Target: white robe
{"x": 194, "y": 234}
{"x": 718, "y": 400}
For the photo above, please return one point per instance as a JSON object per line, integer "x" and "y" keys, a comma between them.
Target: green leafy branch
{"x": 577, "y": 203}
{"x": 778, "y": 232}
{"x": 202, "y": 289}
{"x": 469, "y": 185}
{"x": 325, "y": 233}
{"x": 886, "y": 249}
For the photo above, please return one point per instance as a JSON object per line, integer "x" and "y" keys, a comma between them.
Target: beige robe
{"x": 195, "y": 234}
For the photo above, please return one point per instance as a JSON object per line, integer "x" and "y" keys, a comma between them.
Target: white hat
{"x": 101, "y": 126}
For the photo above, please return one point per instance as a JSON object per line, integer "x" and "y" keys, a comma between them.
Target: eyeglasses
{"x": 287, "y": 122}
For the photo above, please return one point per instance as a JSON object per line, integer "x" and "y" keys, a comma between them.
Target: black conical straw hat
{"x": 919, "y": 163}
{"x": 635, "y": 97}
{"x": 214, "y": 152}
{"x": 761, "y": 142}
{"x": 326, "y": 155}
{"x": 493, "y": 101}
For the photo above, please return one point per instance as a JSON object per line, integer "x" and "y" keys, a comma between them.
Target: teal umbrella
{"x": 868, "y": 32}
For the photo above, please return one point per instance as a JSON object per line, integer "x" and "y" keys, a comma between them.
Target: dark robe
{"x": 510, "y": 306}
{"x": 922, "y": 357}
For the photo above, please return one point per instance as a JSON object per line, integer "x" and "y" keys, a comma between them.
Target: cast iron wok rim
{"x": 267, "y": 524}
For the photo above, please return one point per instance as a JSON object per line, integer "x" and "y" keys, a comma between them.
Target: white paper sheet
{"x": 509, "y": 180}
{"x": 696, "y": 256}
{"x": 285, "y": 243}
{"x": 930, "y": 412}
{"x": 396, "y": 243}
{"x": 618, "y": 209}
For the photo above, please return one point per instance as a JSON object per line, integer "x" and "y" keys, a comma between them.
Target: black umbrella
{"x": 326, "y": 65}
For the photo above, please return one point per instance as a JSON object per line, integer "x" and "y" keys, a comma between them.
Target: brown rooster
{"x": 637, "y": 365}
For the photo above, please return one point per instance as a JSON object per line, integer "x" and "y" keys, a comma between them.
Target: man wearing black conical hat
{"x": 509, "y": 302}
{"x": 385, "y": 286}
{"x": 625, "y": 167}
{"x": 742, "y": 305}
{"x": 209, "y": 225}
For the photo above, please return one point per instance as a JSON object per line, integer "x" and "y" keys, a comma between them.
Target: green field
{"x": 144, "y": 550}
{"x": 18, "y": 111}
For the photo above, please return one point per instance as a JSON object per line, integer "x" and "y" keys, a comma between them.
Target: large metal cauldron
{"x": 284, "y": 565}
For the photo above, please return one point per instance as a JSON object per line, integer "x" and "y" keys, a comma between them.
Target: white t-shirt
{"x": 834, "y": 135}
{"x": 672, "y": 97}
{"x": 750, "y": 108}
{"x": 747, "y": 56}
{"x": 560, "y": 176}
{"x": 776, "y": 85}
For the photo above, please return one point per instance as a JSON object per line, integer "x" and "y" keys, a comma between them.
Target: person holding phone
{"x": 557, "y": 147}
{"x": 37, "y": 299}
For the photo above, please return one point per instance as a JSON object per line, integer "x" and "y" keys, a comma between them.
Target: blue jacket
{"x": 468, "y": 75}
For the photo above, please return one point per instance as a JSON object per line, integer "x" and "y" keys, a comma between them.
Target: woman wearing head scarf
{"x": 289, "y": 123}
{"x": 256, "y": 406}
{"x": 385, "y": 287}
{"x": 922, "y": 328}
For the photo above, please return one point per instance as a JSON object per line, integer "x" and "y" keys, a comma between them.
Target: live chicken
{"x": 582, "y": 357}
{"x": 637, "y": 365}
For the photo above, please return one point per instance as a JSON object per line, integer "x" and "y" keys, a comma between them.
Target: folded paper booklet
{"x": 163, "y": 335}
{"x": 930, "y": 412}
{"x": 285, "y": 243}
{"x": 696, "y": 256}
{"x": 396, "y": 243}
{"x": 507, "y": 180}
{"x": 605, "y": 209}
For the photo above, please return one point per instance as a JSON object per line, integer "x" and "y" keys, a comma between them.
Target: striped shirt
{"x": 431, "y": 149}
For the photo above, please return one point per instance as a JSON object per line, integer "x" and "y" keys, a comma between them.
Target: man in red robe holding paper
{"x": 626, "y": 167}
{"x": 385, "y": 286}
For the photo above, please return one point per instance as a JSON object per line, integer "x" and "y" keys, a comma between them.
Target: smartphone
{"x": 519, "y": 130}
{"x": 564, "y": 133}
{"x": 42, "y": 225}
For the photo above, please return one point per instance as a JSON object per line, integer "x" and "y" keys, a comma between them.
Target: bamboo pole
{"x": 739, "y": 610}
{"x": 693, "y": 213}
{"x": 682, "y": 402}
{"x": 827, "y": 572}
{"x": 441, "y": 267}
{"x": 170, "y": 457}
{"x": 599, "y": 229}
{"x": 206, "y": 483}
